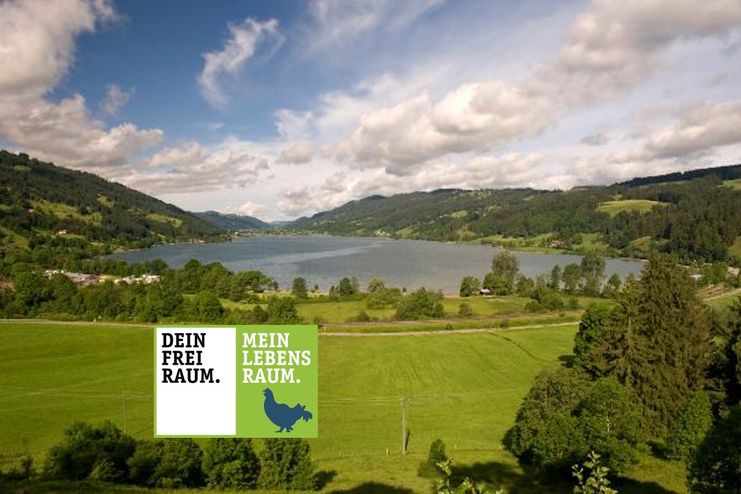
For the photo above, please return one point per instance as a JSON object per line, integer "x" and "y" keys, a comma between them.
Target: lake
{"x": 323, "y": 260}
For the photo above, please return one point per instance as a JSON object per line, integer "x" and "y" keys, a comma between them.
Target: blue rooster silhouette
{"x": 282, "y": 415}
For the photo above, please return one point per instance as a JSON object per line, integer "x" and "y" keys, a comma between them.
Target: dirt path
{"x": 446, "y": 332}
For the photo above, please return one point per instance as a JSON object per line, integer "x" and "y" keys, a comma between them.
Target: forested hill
{"x": 233, "y": 222}
{"x": 696, "y": 215}
{"x": 44, "y": 204}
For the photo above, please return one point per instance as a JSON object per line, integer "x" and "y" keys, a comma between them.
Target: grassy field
{"x": 614, "y": 208}
{"x": 733, "y": 184}
{"x": 464, "y": 388}
{"x": 342, "y": 311}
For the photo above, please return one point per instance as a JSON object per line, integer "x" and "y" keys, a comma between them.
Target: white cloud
{"x": 37, "y": 39}
{"x": 297, "y": 153}
{"x": 115, "y": 99}
{"x": 698, "y": 131}
{"x": 335, "y": 22}
{"x": 192, "y": 167}
{"x": 248, "y": 208}
{"x": 242, "y": 45}
{"x": 610, "y": 48}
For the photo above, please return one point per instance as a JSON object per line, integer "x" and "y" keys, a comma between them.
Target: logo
{"x": 239, "y": 381}
{"x": 282, "y": 415}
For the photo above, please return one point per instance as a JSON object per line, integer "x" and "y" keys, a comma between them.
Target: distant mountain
{"x": 233, "y": 222}
{"x": 46, "y": 204}
{"x": 695, "y": 214}
{"x": 280, "y": 223}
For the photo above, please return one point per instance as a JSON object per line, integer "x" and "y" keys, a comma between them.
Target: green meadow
{"x": 463, "y": 388}
{"x": 614, "y": 208}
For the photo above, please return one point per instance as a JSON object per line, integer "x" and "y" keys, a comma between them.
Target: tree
{"x": 376, "y": 284}
{"x": 656, "y": 342}
{"x": 380, "y": 297}
{"x": 180, "y": 464}
{"x": 299, "y": 289}
{"x": 286, "y": 465}
{"x": 612, "y": 287}
{"x": 609, "y": 422}
{"x": 231, "y": 463}
{"x": 143, "y": 463}
{"x": 208, "y": 307}
{"x": 564, "y": 416}
{"x": 420, "y": 304}
{"x": 506, "y": 266}
{"x": 592, "y": 271}
{"x": 571, "y": 277}
{"x": 348, "y": 287}
{"x": 282, "y": 310}
{"x": 555, "y": 281}
{"x": 465, "y": 310}
{"x": 496, "y": 284}
{"x": 470, "y": 286}
{"x": 30, "y": 290}
{"x": 715, "y": 466}
{"x": 693, "y": 423}
{"x": 725, "y": 365}
{"x": 545, "y": 436}
{"x": 85, "y": 449}
{"x": 592, "y": 322}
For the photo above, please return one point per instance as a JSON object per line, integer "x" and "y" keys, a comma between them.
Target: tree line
{"x": 104, "y": 453}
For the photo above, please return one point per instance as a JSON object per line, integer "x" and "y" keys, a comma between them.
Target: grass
{"x": 65, "y": 211}
{"x": 161, "y": 218}
{"x": 614, "y": 208}
{"x": 724, "y": 300}
{"x": 735, "y": 249}
{"x": 13, "y": 237}
{"x": 733, "y": 184}
{"x": 540, "y": 243}
{"x": 342, "y": 311}
{"x": 464, "y": 388}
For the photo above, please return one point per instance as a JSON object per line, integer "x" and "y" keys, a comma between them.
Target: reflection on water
{"x": 324, "y": 260}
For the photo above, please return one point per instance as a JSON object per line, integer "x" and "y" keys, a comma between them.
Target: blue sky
{"x": 283, "y": 108}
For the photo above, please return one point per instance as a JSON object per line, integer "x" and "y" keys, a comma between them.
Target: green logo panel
{"x": 277, "y": 377}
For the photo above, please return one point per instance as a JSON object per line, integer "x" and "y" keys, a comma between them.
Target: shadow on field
{"x": 513, "y": 481}
{"x": 637, "y": 487}
{"x": 324, "y": 477}
{"x": 375, "y": 488}
{"x": 498, "y": 475}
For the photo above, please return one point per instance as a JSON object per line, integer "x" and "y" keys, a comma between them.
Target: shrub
{"x": 282, "y": 310}
{"x": 465, "y": 310}
{"x": 693, "y": 423}
{"x": 286, "y": 464}
{"x": 715, "y": 466}
{"x": 85, "y": 450}
{"x": 421, "y": 304}
{"x": 231, "y": 463}
{"x": 180, "y": 464}
{"x": 144, "y": 462}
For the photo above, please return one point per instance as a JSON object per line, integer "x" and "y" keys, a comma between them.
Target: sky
{"x": 279, "y": 109}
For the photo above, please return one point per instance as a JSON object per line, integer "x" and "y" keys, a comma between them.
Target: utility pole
{"x": 403, "y": 402}
{"x": 123, "y": 409}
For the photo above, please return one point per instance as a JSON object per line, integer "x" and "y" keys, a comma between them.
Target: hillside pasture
{"x": 613, "y": 208}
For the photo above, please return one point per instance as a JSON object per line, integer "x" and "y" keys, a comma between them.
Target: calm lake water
{"x": 323, "y": 260}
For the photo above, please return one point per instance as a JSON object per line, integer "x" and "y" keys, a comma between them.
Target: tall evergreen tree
{"x": 657, "y": 342}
